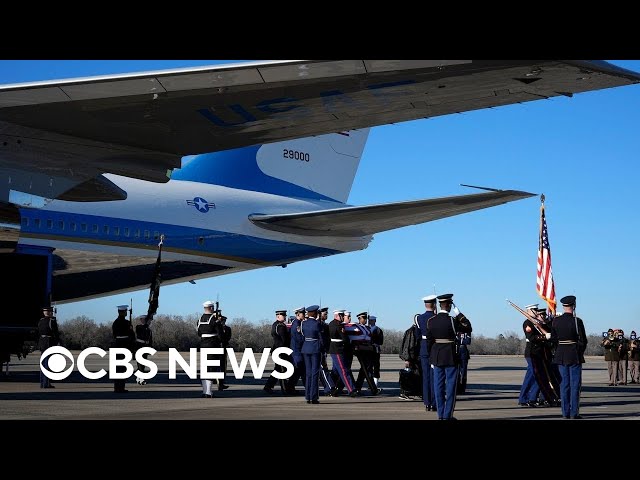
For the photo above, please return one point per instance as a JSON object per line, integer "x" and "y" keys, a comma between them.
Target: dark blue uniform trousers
{"x": 298, "y": 370}
{"x": 570, "y": 386}
{"x": 44, "y": 380}
{"x": 445, "y": 390}
{"x": 530, "y": 388}
{"x": 312, "y": 368}
{"x": 325, "y": 375}
{"x": 343, "y": 372}
{"x": 428, "y": 397}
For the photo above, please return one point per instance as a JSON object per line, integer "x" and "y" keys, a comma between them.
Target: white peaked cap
{"x": 533, "y": 305}
{"x": 208, "y": 303}
{"x": 429, "y": 298}
{"x": 335, "y": 312}
{"x": 123, "y": 307}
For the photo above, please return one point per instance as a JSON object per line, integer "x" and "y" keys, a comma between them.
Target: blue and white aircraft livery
{"x": 237, "y": 166}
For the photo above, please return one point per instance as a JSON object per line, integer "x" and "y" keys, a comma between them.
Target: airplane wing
{"x": 370, "y": 219}
{"x": 59, "y": 136}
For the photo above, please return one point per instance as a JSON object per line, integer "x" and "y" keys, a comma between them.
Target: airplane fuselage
{"x": 200, "y": 222}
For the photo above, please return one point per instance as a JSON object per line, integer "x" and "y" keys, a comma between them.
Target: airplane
{"x": 237, "y": 167}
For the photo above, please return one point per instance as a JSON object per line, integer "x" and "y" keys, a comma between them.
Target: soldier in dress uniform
{"x": 281, "y": 338}
{"x": 226, "y": 341}
{"x": 339, "y": 344}
{"x": 360, "y": 339}
{"x": 124, "y": 337}
{"x": 296, "y": 345}
{"x": 567, "y": 331}
{"x": 328, "y": 383}
{"x": 377, "y": 339}
{"x": 634, "y": 358}
{"x": 144, "y": 338}
{"x": 530, "y": 389}
{"x": 210, "y": 332}
{"x": 442, "y": 330}
{"x": 48, "y": 336}
{"x": 428, "y": 394}
{"x": 310, "y": 331}
{"x": 623, "y": 350}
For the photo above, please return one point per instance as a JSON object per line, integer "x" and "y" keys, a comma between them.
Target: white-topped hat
{"x": 532, "y": 306}
{"x": 347, "y": 312}
{"x": 123, "y": 307}
{"x": 429, "y": 298}
{"x": 335, "y": 312}
{"x": 208, "y": 303}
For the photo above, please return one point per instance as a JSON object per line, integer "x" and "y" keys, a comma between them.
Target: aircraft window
{"x": 147, "y": 234}
{"x": 200, "y": 240}
{"x": 116, "y": 231}
{"x": 105, "y": 229}
{"x": 156, "y": 235}
{"x": 94, "y": 229}
{"x": 126, "y": 231}
{"x": 61, "y": 224}
{"x": 137, "y": 233}
{"x": 49, "y": 223}
{"x": 72, "y": 226}
{"x": 83, "y": 227}
{"x": 36, "y": 222}
{"x": 25, "y": 222}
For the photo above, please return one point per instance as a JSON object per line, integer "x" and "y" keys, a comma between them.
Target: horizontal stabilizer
{"x": 370, "y": 219}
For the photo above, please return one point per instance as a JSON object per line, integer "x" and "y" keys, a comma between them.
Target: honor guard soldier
{"x": 442, "y": 332}
{"x": 143, "y": 339}
{"x": 623, "y": 350}
{"x": 210, "y": 333}
{"x": 634, "y": 358}
{"x": 567, "y": 331}
{"x": 377, "y": 339}
{"x": 428, "y": 394}
{"x": 124, "y": 337}
{"x": 226, "y": 341}
{"x": 281, "y": 338}
{"x": 339, "y": 344}
{"x": 530, "y": 389}
{"x": 311, "y": 348}
{"x": 360, "y": 339}
{"x": 296, "y": 345}
{"x": 325, "y": 375}
{"x": 611, "y": 356}
{"x": 48, "y": 336}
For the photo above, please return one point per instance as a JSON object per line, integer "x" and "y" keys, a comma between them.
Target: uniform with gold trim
{"x": 567, "y": 332}
{"x": 442, "y": 330}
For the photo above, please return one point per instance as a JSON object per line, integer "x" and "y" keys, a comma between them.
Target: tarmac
{"x": 492, "y": 394}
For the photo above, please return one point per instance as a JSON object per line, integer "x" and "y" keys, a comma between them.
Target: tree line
{"x": 180, "y": 332}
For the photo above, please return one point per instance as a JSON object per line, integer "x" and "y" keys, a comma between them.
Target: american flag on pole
{"x": 544, "y": 282}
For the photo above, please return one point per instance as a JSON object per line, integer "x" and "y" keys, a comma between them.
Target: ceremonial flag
{"x": 544, "y": 282}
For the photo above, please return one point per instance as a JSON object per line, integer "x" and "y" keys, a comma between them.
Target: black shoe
{"x": 532, "y": 404}
{"x": 432, "y": 408}
{"x": 268, "y": 390}
{"x": 207, "y": 396}
{"x": 565, "y": 417}
{"x": 577, "y": 417}
{"x": 315, "y": 402}
{"x": 334, "y": 392}
{"x": 377, "y": 392}
{"x": 354, "y": 394}
{"x": 49, "y": 386}
{"x": 308, "y": 401}
{"x": 611, "y": 384}
{"x": 224, "y": 387}
{"x": 525, "y": 404}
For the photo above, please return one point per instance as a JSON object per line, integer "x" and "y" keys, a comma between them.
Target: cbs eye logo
{"x": 53, "y": 363}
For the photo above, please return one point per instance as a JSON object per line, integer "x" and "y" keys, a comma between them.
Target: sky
{"x": 581, "y": 152}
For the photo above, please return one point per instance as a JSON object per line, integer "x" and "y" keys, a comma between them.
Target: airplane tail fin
{"x": 320, "y": 167}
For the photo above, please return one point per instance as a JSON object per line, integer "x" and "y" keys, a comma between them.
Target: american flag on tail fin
{"x": 544, "y": 282}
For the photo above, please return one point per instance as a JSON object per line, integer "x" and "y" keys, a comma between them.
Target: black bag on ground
{"x": 410, "y": 383}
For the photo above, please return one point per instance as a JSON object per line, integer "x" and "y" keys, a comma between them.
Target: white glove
{"x": 547, "y": 336}
{"x": 455, "y": 311}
